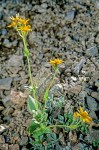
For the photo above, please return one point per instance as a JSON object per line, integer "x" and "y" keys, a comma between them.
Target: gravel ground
{"x": 66, "y": 29}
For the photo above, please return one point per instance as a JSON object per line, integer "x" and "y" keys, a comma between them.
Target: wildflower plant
{"x": 39, "y": 124}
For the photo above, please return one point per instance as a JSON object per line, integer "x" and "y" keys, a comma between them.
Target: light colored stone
{"x": 2, "y": 139}
{"x": 2, "y": 128}
{"x": 93, "y": 51}
{"x": 18, "y": 98}
{"x": 14, "y": 147}
{"x": 15, "y": 61}
{"x": 5, "y": 84}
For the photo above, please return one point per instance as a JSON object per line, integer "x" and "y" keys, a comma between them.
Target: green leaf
{"x": 31, "y": 104}
{"x": 40, "y": 131}
{"x": 33, "y": 126}
{"x": 51, "y": 137}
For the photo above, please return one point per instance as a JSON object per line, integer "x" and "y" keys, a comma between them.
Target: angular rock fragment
{"x": 79, "y": 66}
{"x": 5, "y": 84}
{"x": 70, "y": 16}
{"x": 15, "y": 61}
{"x": 92, "y": 104}
{"x": 93, "y": 51}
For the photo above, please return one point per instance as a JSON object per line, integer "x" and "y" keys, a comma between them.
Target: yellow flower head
{"x": 25, "y": 28}
{"x": 20, "y": 23}
{"x": 56, "y": 62}
{"x": 83, "y": 115}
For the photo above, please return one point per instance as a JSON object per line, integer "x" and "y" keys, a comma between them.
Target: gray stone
{"x": 92, "y": 104}
{"x": 97, "y": 84}
{"x": 56, "y": 90}
{"x": 2, "y": 139}
{"x": 92, "y": 114}
{"x": 2, "y": 129}
{"x": 24, "y": 148}
{"x": 94, "y": 134}
{"x": 4, "y": 31}
{"x": 14, "y": 43}
{"x": 15, "y": 61}
{"x": 97, "y": 4}
{"x": 7, "y": 43}
{"x": 70, "y": 16}
{"x": 44, "y": 5}
{"x": 62, "y": 68}
{"x": 24, "y": 141}
{"x": 1, "y": 108}
{"x": 14, "y": 147}
{"x": 6, "y": 101}
{"x": 41, "y": 10}
{"x": 93, "y": 51}
{"x": 79, "y": 66}
{"x": 95, "y": 95}
{"x": 4, "y": 147}
{"x": 5, "y": 84}
{"x": 1, "y": 15}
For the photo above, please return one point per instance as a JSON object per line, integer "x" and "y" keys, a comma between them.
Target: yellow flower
{"x": 25, "y": 28}
{"x": 83, "y": 115}
{"x": 23, "y": 21}
{"x": 56, "y": 62}
{"x": 20, "y": 23}
{"x": 13, "y": 24}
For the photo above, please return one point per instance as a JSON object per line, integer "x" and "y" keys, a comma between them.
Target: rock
{"x": 4, "y": 147}
{"x": 95, "y": 95}
{"x": 62, "y": 68}
{"x": 44, "y": 5}
{"x": 24, "y": 141}
{"x": 8, "y": 111}
{"x": 95, "y": 76}
{"x": 42, "y": 80}
{"x": 41, "y": 10}
{"x": 56, "y": 90}
{"x": 3, "y": 31}
{"x": 92, "y": 104}
{"x": 93, "y": 51}
{"x": 24, "y": 148}
{"x": 74, "y": 78}
{"x": 1, "y": 15}
{"x": 2, "y": 129}
{"x": 70, "y": 16}
{"x": 14, "y": 43}
{"x": 75, "y": 90}
{"x": 79, "y": 66}
{"x": 1, "y": 108}
{"x": 7, "y": 43}
{"x": 97, "y": 84}
{"x": 67, "y": 106}
{"x": 97, "y": 4}
{"x": 21, "y": 98}
{"x": 5, "y": 84}
{"x": 82, "y": 146}
{"x": 2, "y": 139}
{"x": 97, "y": 39}
{"x": 15, "y": 61}
{"x": 92, "y": 114}
{"x": 62, "y": 139}
{"x": 72, "y": 137}
{"x": 94, "y": 133}
{"x": 6, "y": 101}
{"x": 14, "y": 147}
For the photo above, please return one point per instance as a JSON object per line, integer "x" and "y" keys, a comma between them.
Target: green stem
{"x": 50, "y": 86}
{"x": 61, "y": 126}
{"x": 29, "y": 68}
